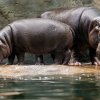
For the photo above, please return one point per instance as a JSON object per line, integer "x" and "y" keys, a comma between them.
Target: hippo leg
{"x": 74, "y": 59}
{"x": 92, "y": 54}
{"x": 59, "y": 56}
{"x": 11, "y": 59}
{"x": 39, "y": 60}
{"x": 67, "y": 57}
{"x": 94, "y": 60}
{"x": 20, "y": 57}
{"x": 52, "y": 55}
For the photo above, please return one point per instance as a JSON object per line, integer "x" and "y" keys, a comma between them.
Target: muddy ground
{"x": 20, "y": 71}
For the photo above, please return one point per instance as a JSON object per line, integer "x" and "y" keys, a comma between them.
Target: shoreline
{"x": 18, "y": 71}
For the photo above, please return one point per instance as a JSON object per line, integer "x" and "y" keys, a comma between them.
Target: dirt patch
{"x": 15, "y": 71}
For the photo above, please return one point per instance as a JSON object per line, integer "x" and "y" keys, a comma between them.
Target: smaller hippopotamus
{"x": 37, "y": 36}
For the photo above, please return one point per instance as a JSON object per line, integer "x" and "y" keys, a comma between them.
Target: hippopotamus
{"x": 82, "y": 21}
{"x": 36, "y": 36}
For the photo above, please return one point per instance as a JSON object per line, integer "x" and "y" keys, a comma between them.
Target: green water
{"x": 78, "y": 87}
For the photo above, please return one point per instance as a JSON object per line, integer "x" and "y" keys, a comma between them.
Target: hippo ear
{"x": 2, "y": 44}
{"x": 92, "y": 25}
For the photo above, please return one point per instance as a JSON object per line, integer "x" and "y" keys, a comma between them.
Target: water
{"x": 60, "y": 87}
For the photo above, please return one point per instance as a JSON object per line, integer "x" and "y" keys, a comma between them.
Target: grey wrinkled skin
{"x": 36, "y": 36}
{"x": 80, "y": 19}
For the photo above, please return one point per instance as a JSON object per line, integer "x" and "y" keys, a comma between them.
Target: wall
{"x": 17, "y": 9}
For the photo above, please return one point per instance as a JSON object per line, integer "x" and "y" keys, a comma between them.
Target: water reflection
{"x": 79, "y": 87}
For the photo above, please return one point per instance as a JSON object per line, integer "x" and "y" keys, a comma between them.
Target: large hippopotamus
{"x": 37, "y": 36}
{"x": 84, "y": 21}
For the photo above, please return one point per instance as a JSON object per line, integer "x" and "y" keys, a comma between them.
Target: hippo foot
{"x": 8, "y": 63}
{"x": 75, "y": 64}
{"x": 20, "y": 63}
{"x": 56, "y": 64}
{"x": 97, "y": 63}
{"x": 39, "y": 63}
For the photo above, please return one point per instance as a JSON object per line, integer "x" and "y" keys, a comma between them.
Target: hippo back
{"x": 78, "y": 18}
{"x": 40, "y": 34}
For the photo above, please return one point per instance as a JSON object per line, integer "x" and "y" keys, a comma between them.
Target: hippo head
{"x": 3, "y": 51}
{"x": 94, "y": 34}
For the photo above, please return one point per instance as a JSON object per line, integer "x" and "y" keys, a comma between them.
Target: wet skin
{"x": 80, "y": 20}
{"x": 36, "y": 36}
